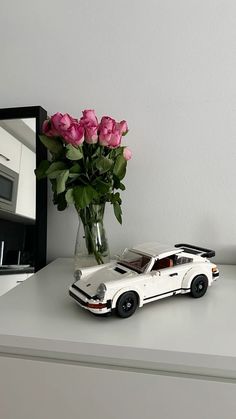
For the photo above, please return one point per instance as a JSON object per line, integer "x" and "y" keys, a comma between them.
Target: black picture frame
{"x": 40, "y": 115}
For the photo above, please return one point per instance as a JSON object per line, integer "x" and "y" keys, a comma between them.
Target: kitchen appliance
{"x": 8, "y": 189}
{"x": 11, "y": 266}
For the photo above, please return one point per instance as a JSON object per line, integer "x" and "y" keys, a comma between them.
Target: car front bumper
{"x": 215, "y": 275}
{"x": 92, "y": 304}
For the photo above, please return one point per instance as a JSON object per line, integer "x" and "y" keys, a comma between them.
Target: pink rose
{"x": 74, "y": 134}
{"x": 104, "y": 137}
{"x": 51, "y": 127}
{"x": 47, "y": 128}
{"x": 58, "y": 124}
{"x": 110, "y": 132}
{"x": 89, "y": 117}
{"x": 106, "y": 127}
{"x": 91, "y": 134}
{"x": 107, "y": 123}
{"x": 55, "y": 122}
{"x": 123, "y": 127}
{"x": 115, "y": 139}
{"x": 119, "y": 129}
{"x": 66, "y": 121}
{"x": 90, "y": 123}
{"x": 127, "y": 153}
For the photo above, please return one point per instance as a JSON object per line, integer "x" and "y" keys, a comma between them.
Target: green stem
{"x": 91, "y": 215}
{"x": 97, "y": 255}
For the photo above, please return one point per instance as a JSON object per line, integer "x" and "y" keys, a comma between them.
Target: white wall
{"x": 166, "y": 66}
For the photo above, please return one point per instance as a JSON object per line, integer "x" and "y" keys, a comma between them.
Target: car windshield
{"x": 135, "y": 261}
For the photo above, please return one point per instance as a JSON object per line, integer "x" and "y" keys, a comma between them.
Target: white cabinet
{"x": 19, "y": 158}
{"x": 26, "y": 195}
{"x": 31, "y": 388}
{"x": 10, "y": 151}
{"x": 7, "y": 282}
{"x": 172, "y": 359}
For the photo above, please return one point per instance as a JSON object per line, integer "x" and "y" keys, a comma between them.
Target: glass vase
{"x": 91, "y": 247}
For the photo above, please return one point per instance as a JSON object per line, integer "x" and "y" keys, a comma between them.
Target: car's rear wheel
{"x": 199, "y": 286}
{"x": 127, "y": 304}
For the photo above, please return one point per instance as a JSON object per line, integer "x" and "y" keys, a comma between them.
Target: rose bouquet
{"x": 86, "y": 166}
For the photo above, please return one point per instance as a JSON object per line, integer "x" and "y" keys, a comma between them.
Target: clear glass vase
{"x": 91, "y": 247}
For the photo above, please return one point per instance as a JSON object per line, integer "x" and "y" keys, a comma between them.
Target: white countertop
{"x": 177, "y": 334}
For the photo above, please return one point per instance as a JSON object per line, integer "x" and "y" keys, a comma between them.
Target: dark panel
{"x": 30, "y": 238}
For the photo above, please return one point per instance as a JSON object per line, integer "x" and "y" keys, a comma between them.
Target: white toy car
{"x": 143, "y": 274}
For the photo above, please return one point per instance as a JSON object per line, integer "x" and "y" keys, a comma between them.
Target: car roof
{"x": 156, "y": 249}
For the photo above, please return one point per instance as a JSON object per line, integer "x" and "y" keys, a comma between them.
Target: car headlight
{"x": 77, "y": 275}
{"x": 100, "y": 293}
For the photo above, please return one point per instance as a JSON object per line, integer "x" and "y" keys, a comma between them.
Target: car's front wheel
{"x": 199, "y": 286}
{"x": 127, "y": 304}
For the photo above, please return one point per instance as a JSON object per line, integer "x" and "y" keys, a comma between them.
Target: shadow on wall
{"x": 225, "y": 254}
{"x": 61, "y": 233}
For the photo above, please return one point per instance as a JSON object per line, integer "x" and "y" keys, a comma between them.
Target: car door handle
{"x": 173, "y": 274}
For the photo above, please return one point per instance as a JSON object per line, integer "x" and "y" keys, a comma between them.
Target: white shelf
{"x": 177, "y": 335}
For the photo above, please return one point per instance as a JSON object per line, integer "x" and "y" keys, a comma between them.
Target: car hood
{"x": 111, "y": 275}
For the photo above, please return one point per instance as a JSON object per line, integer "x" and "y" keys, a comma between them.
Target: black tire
{"x": 127, "y": 304}
{"x": 199, "y": 286}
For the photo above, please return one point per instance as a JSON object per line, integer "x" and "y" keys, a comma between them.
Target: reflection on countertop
{"x": 15, "y": 269}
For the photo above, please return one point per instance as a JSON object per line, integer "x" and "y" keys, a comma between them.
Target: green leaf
{"x": 52, "y": 144}
{"x": 41, "y": 170}
{"x": 103, "y": 164}
{"x": 61, "y": 202}
{"x": 84, "y": 195}
{"x": 69, "y": 196}
{"x": 117, "y": 211}
{"x": 115, "y": 197}
{"x": 74, "y": 176}
{"x": 115, "y": 152}
{"x": 61, "y": 181}
{"x": 55, "y": 174}
{"x": 73, "y": 153}
{"x": 75, "y": 168}
{"x": 55, "y": 166}
{"x": 101, "y": 186}
{"x": 54, "y": 188}
{"x": 117, "y": 183}
{"x": 125, "y": 133}
{"x": 120, "y": 167}
{"x": 96, "y": 153}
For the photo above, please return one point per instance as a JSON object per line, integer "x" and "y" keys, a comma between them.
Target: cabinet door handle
{"x": 4, "y": 157}
{"x": 173, "y": 274}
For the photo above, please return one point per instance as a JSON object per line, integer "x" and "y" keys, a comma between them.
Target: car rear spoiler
{"x": 196, "y": 250}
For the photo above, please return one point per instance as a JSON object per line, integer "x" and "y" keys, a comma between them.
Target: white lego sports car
{"x": 143, "y": 274}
